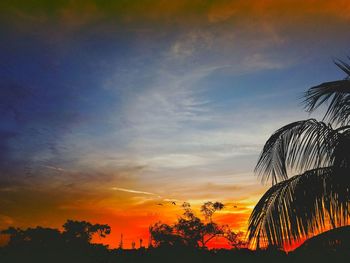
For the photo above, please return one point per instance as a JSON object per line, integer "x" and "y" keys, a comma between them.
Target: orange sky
{"x": 135, "y": 227}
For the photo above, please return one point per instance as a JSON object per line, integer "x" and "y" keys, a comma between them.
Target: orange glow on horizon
{"x": 136, "y": 228}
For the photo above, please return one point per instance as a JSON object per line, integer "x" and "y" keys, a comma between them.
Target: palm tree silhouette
{"x": 318, "y": 197}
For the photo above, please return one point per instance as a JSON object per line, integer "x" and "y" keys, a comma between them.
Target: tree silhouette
{"x": 235, "y": 239}
{"x": 51, "y": 245}
{"x": 193, "y": 230}
{"x": 35, "y": 236}
{"x": 164, "y": 235}
{"x": 76, "y": 231}
{"x": 189, "y": 230}
{"x": 298, "y": 206}
{"x": 83, "y": 231}
{"x": 209, "y": 208}
{"x": 101, "y": 230}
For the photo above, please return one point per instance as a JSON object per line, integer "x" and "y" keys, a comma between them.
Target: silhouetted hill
{"x": 331, "y": 245}
{"x": 332, "y": 240}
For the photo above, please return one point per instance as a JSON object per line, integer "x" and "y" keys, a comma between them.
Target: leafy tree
{"x": 77, "y": 230}
{"x": 193, "y": 230}
{"x": 34, "y": 236}
{"x": 297, "y": 206}
{"x": 73, "y": 231}
{"x": 16, "y": 235}
{"x": 101, "y": 230}
{"x": 235, "y": 239}
{"x": 164, "y": 235}
{"x": 83, "y": 230}
{"x": 189, "y": 230}
{"x": 209, "y": 208}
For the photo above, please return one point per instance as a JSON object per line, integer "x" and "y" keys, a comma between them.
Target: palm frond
{"x": 299, "y": 145}
{"x": 300, "y": 206}
{"x": 343, "y": 66}
{"x": 337, "y": 93}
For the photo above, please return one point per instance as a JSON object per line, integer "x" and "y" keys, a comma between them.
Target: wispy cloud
{"x": 133, "y": 191}
{"x": 59, "y": 169}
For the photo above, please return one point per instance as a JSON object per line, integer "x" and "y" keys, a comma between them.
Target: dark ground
{"x": 100, "y": 254}
{"x": 332, "y": 246}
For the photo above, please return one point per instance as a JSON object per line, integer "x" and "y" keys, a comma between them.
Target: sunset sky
{"x": 109, "y": 108}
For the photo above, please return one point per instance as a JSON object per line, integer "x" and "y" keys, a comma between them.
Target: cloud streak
{"x": 133, "y": 191}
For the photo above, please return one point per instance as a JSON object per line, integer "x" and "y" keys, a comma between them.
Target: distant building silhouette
{"x": 121, "y": 242}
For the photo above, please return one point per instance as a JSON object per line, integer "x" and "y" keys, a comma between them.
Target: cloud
{"x": 54, "y": 168}
{"x": 132, "y": 191}
{"x": 272, "y": 9}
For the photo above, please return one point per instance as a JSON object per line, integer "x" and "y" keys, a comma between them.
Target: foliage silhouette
{"x": 296, "y": 207}
{"x": 50, "y": 245}
{"x": 83, "y": 231}
{"x": 235, "y": 239}
{"x": 38, "y": 236}
{"x": 209, "y": 208}
{"x": 163, "y": 235}
{"x": 190, "y": 230}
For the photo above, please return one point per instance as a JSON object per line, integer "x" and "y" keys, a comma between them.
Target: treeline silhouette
{"x": 191, "y": 231}
{"x": 40, "y": 244}
{"x": 184, "y": 241}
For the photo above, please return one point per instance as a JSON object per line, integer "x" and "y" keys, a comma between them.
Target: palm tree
{"x": 317, "y": 198}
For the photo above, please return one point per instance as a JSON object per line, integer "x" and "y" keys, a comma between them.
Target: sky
{"x": 109, "y": 108}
